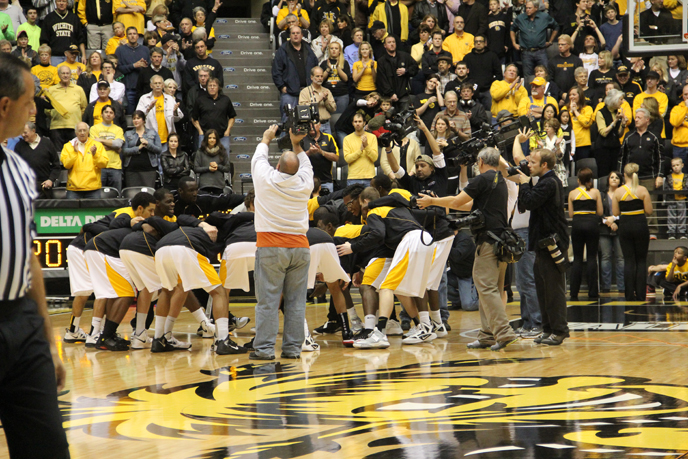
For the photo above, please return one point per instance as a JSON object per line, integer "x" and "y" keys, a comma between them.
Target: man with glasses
{"x": 561, "y": 68}
{"x": 292, "y": 20}
{"x": 532, "y": 27}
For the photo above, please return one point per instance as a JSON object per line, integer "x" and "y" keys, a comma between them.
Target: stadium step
{"x": 243, "y": 49}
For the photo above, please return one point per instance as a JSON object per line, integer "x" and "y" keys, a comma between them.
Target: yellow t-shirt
{"x": 46, "y": 74}
{"x": 348, "y": 231}
{"x": 112, "y": 132}
{"x": 75, "y": 69}
{"x": 211, "y": 34}
{"x": 113, "y": 43}
{"x": 98, "y": 112}
{"x": 367, "y": 82}
{"x": 680, "y": 272}
{"x": 160, "y": 117}
{"x": 677, "y": 181}
{"x": 137, "y": 20}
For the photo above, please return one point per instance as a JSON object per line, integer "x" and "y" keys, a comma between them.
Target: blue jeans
{"x": 531, "y": 59}
{"x": 280, "y": 271}
{"x": 131, "y": 100}
{"x": 525, "y": 284}
{"x": 224, "y": 141}
{"x": 682, "y": 152}
{"x": 462, "y": 290}
{"x": 93, "y": 194}
{"x": 342, "y": 102}
{"x": 364, "y": 182}
{"x": 111, "y": 178}
{"x": 57, "y": 60}
{"x": 610, "y": 249}
{"x": 444, "y": 311}
{"x": 287, "y": 99}
{"x": 328, "y": 186}
{"x": 325, "y": 127}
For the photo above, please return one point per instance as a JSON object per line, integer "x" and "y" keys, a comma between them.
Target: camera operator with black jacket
{"x": 548, "y": 237}
{"x": 485, "y": 195}
{"x": 430, "y": 173}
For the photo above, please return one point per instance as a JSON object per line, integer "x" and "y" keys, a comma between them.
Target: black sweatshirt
{"x": 60, "y": 33}
{"x": 43, "y": 160}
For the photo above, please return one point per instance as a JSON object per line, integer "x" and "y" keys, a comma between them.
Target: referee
{"x": 31, "y": 372}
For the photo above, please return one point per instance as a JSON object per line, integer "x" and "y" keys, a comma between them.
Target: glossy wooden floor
{"x": 618, "y": 391}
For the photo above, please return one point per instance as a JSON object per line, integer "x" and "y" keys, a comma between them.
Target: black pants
{"x": 550, "y": 285}
{"x": 659, "y": 280}
{"x": 607, "y": 160}
{"x": 634, "y": 237}
{"x": 28, "y": 390}
{"x": 59, "y": 137}
{"x": 585, "y": 236}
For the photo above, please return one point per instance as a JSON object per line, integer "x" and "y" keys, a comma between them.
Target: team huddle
{"x": 367, "y": 237}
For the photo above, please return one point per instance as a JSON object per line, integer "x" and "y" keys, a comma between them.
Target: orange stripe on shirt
{"x": 288, "y": 241}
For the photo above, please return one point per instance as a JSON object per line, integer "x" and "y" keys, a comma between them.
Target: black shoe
{"x": 363, "y": 334}
{"x": 290, "y": 356}
{"x": 328, "y": 327}
{"x": 111, "y": 344}
{"x": 406, "y": 325}
{"x": 477, "y": 344}
{"x": 554, "y": 340}
{"x": 347, "y": 338}
{"x": 161, "y": 345}
{"x": 573, "y": 298}
{"x": 502, "y": 344}
{"x": 249, "y": 346}
{"x": 119, "y": 339}
{"x": 254, "y": 356}
{"x": 541, "y": 338}
{"x": 227, "y": 346}
{"x": 454, "y": 307}
{"x": 446, "y": 325}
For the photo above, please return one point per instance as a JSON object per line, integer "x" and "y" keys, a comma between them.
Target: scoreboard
{"x": 52, "y": 251}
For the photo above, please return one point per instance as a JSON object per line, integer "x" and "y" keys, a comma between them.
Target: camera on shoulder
{"x": 399, "y": 126}
{"x": 300, "y": 118}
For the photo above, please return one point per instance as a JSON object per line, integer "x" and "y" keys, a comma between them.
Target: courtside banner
{"x": 67, "y": 221}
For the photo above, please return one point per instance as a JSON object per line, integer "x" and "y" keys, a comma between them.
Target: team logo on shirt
{"x": 410, "y": 411}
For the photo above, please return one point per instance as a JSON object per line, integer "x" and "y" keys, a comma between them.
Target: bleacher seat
{"x": 109, "y": 193}
{"x": 603, "y": 183}
{"x": 246, "y": 180}
{"x": 570, "y": 186}
{"x": 587, "y": 162}
{"x": 59, "y": 193}
{"x": 128, "y": 193}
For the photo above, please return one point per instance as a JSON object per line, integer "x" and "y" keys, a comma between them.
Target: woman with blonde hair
{"x": 656, "y": 121}
{"x": 599, "y": 77}
{"x": 676, "y": 75}
{"x": 320, "y": 45}
{"x": 631, "y": 203}
{"x": 336, "y": 76}
{"x": 364, "y": 71}
{"x": 93, "y": 71}
{"x": 585, "y": 208}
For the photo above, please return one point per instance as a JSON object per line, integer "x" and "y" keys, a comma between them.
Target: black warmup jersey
{"x": 108, "y": 242}
{"x": 388, "y": 221}
{"x": 434, "y": 222}
{"x": 92, "y": 229}
{"x": 318, "y": 236}
{"x": 234, "y": 228}
{"x": 145, "y": 243}
{"x": 194, "y": 238}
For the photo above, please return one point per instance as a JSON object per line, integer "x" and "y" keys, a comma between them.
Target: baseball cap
{"x": 652, "y": 74}
{"x": 424, "y": 159}
{"x": 74, "y": 49}
{"x": 103, "y": 84}
{"x": 538, "y": 81}
{"x": 622, "y": 69}
{"x": 22, "y": 34}
{"x": 445, "y": 58}
{"x": 167, "y": 37}
{"x": 377, "y": 25}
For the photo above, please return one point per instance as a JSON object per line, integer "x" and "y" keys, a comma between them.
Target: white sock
{"x": 370, "y": 321}
{"x": 436, "y": 316}
{"x": 199, "y": 315}
{"x": 75, "y": 323}
{"x": 169, "y": 324}
{"x": 352, "y": 313}
{"x": 222, "y": 328}
{"x": 424, "y": 317}
{"x": 159, "y": 326}
{"x": 95, "y": 323}
{"x": 141, "y": 322}
{"x": 306, "y": 331}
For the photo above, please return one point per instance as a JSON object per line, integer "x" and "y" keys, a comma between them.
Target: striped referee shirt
{"x": 17, "y": 228}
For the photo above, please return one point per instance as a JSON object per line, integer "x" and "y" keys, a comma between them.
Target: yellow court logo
{"x": 437, "y": 409}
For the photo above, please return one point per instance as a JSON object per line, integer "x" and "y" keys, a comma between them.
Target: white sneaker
{"x": 183, "y": 345}
{"x": 309, "y": 344}
{"x": 78, "y": 336}
{"x": 393, "y": 328}
{"x": 356, "y": 325}
{"x": 411, "y": 331}
{"x": 253, "y": 330}
{"x": 423, "y": 334}
{"x": 376, "y": 340}
{"x": 238, "y": 322}
{"x": 439, "y": 329}
{"x": 208, "y": 329}
{"x": 140, "y": 341}
{"x": 92, "y": 339}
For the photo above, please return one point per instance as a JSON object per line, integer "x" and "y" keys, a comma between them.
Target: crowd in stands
{"x": 144, "y": 105}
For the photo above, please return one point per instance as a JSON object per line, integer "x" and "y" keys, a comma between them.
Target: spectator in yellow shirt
{"x": 118, "y": 39}
{"x": 69, "y": 104}
{"x": 294, "y": 7}
{"x": 46, "y": 73}
{"x": 533, "y": 105}
{"x": 508, "y": 93}
{"x": 131, "y": 14}
{"x": 111, "y": 137}
{"x": 360, "y": 153}
{"x": 459, "y": 43}
{"x": 83, "y": 157}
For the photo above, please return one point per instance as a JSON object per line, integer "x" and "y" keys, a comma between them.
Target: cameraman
{"x": 430, "y": 173}
{"x": 487, "y": 193}
{"x": 545, "y": 201}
